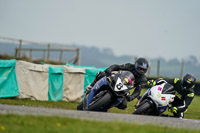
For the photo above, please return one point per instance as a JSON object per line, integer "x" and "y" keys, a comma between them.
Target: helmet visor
{"x": 141, "y": 70}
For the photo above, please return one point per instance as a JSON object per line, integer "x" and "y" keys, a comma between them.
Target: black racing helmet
{"x": 188, "y": 81}
{"x": 141, "y": 66}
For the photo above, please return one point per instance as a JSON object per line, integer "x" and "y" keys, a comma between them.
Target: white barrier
{"x": 32, "y": 81}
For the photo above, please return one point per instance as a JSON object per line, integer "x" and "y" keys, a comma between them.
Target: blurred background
{"x": 101, "y": 33}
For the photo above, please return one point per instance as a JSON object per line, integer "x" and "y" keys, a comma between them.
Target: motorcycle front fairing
{"x": 88, "y": 97}
{"x": 160, "y": 98}
{"x": 120, "y": 89}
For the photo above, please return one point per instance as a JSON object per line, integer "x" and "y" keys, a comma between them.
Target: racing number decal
{"x": 119, "y": 86}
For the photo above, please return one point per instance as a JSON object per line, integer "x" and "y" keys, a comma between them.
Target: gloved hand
{"x": 151, "y": 82}
{"x": 88, "y": 89}
{"x": 99, "y": 75}
{"x": 173, "y": 109}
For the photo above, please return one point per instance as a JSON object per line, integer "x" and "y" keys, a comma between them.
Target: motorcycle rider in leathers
{"x": 184, "y": 93}
{"x": 138, "y": 69}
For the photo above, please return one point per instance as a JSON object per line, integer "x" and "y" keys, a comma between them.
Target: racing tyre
{"x": 141, "y": 109}
{"x": 101, "y": 102}
{"x": 80, "y": 106}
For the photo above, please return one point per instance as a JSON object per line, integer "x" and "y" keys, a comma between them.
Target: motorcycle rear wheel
{"x": 141, "y": 110}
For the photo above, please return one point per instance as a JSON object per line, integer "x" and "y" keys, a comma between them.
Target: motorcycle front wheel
{"x": 100, "y": 103}
{"x": 142, "y": 109}
{"x": 80, "y": 106}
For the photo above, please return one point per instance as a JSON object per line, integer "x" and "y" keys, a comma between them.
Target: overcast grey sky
{"x": 151, "y": 28}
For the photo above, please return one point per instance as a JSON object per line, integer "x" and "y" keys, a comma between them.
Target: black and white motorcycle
{"x": 156, "y": 99}
{"x": 108, "y": 92}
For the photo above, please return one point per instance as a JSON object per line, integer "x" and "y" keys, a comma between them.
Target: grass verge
{"x": 48, "y": 124}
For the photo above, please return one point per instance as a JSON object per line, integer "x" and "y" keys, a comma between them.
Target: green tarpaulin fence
{"x": 8, "y": 81}
{"x": 90, "y": 73}
{"x": 9, "y": 86}
{"x": 55, "y": 92}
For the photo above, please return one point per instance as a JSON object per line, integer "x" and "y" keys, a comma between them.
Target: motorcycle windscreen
{"x": 168, "y": 89}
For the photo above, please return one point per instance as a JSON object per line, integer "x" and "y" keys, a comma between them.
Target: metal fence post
{"x": 78, "y": 56}
{"x": 182, "y": 67}
{"x": 20, "y": 47}
{"x": 158, "y": 68}
{"x": 48, "y": 52}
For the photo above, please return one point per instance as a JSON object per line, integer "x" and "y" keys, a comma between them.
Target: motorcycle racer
{"x": 184, "y": 94}
{"x": 138, "y": 69}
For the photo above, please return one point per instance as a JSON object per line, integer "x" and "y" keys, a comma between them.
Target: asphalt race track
{"x": 162, "y": 121}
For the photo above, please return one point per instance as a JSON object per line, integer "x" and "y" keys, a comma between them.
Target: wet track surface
{"x": 162, "y": 121}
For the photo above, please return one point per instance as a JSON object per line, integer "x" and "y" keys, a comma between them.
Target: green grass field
{"x": 46, "y": 124}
